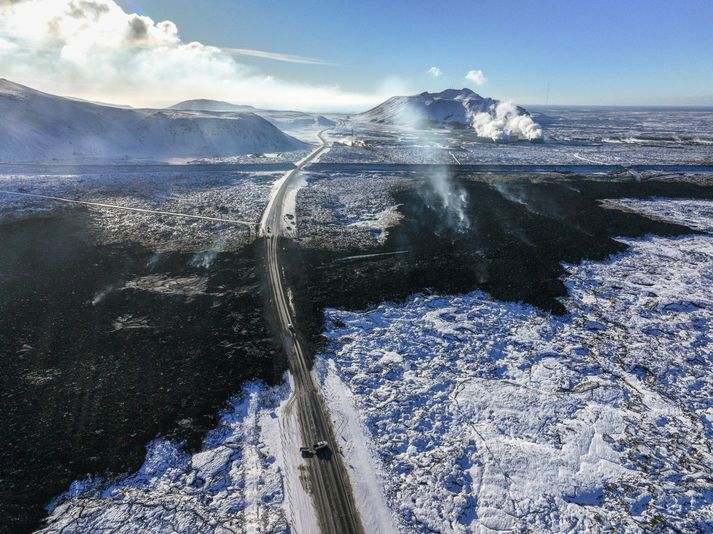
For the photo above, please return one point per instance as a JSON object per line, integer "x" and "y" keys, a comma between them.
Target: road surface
{"x": 328, "y": 479}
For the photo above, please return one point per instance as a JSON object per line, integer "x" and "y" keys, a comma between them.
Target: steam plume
{"x": 506, "y": 122}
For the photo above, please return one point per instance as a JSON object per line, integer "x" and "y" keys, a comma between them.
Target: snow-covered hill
{"x": 296, "y": 123}
{"x": 39, "y": 127}
{"x": 203, "y": 104}
{"x": 457, "y": 108}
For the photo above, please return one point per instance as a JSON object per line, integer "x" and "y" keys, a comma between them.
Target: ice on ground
{"x": 489, "y": 416}
{"x": 234, "y": 484}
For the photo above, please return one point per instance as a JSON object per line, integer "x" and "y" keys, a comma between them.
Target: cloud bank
{"x": 435, "y": 72}
{"x": 93, "y": 49}
{"x": 476, "y": 77}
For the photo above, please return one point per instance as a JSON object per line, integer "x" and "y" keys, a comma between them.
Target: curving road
{"x": 327, "y": 480}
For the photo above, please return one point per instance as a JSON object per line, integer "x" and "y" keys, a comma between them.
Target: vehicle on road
{"x": 290, "y": 327}
{"x": 320, "y": 445}
{"x": 306, "y": 452}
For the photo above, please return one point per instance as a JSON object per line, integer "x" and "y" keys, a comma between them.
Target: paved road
{"x": 328, "y": 480}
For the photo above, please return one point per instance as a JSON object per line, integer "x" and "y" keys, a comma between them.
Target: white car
{"x": 320, "y": 445}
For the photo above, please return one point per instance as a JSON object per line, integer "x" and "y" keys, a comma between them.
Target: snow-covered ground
{"x": 467, "y": 414}
{"x": 696, "y": 214}
{"x": 223, "y": 195}
{"x": 234, "y": 484}
{"x": 260, "y": 158}
{"x": 348, "y": 210}
{"x": 485, "y": 416}
{"x": 571, "y": 137}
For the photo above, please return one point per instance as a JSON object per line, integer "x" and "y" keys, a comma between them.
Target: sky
{"x": 348, "y": 56}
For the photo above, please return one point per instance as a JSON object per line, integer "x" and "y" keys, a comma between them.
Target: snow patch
{"x": 357, "y": 449}
{"x": 234, "y": 484}
{"x": 380, "y": 222}
{"x": 696, "y": 214}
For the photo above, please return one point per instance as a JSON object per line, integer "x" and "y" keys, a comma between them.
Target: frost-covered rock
{"x": 696, "y": 214}
{"x": 490, "y": 416}
{"x": 234, "y": 484}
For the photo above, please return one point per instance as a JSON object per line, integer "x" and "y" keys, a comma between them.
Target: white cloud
{"x": 93, "y": 49}
{"x": 435, "y": 72}
{"x": 289, "y": 58}
{"x": 477, "y": 77}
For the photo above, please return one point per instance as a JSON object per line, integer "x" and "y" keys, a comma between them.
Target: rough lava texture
{"x": 225, "y": 195}
{"x": 475, "y": 415}
{"x": 233, "y": 485}
{"x": 38, "y": 127}
{"x": 490, "y": 416}
{"x": 453, "y": 108}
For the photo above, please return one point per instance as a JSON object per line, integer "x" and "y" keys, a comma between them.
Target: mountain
{"x": 285, "y": 120}
{"x": 209, "y": 105}
{"x": 457, "y": 108}
{"x": 39, "y": 127}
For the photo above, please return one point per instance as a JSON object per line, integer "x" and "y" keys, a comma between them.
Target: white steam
{"x": 451, "y": 199}
{"x": 507, "y": 122}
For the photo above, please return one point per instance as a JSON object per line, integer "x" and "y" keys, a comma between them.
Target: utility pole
{"x": 547, "y": 95}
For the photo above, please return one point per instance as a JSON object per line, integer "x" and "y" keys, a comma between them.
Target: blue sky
{"x": 157, "y": 52}
{"x": 597, "y": 52}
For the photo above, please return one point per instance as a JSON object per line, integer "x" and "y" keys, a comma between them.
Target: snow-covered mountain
{"x": 290, "y": 121}
{"x": 39, "y": 127}
{"x": 457, "y": 108}
{"x": 202, "y": 104}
